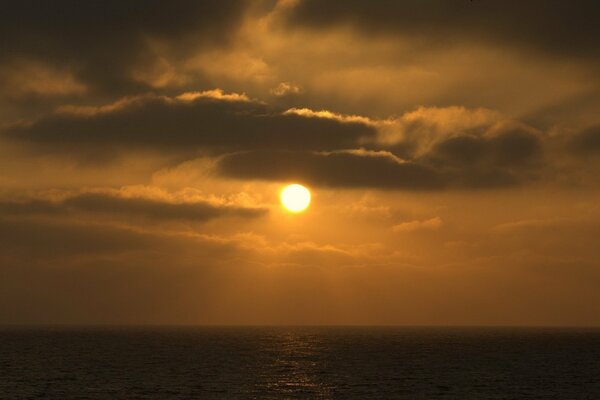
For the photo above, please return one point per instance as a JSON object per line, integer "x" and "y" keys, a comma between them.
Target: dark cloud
{"x": 164, "y": 123}
{"x": 587, "y": 142}
{"x": 155, "y": 209}
{"x": 43, "y": 239}
{"x": 30, "y": 207}
{"x": 513, "y": 148}
{"x": 100, "y": 42}
{"x": 578, "y": 107}
{"x": 337, "y": 169}
{"x": 471, "y": 161}
{"x": 460, "y": 150}
{"x": 505, "y": 159}
{"x": 115, "y": 205}
{"x": 63, "y": 243}
{"x": 264, "y": 143}
{"x": 558, "y": 28}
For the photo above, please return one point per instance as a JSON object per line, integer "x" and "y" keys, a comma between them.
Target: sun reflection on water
{"x": 296, "y": 365}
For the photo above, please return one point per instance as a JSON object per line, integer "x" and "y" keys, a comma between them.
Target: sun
{"x": 295, "y": 198}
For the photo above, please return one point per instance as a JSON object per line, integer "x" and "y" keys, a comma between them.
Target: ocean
{"x": 299, "y": 363}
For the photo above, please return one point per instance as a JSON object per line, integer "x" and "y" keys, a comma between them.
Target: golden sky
{"x": 452, "y": 151}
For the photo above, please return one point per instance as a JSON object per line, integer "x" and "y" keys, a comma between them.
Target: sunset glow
{"x": 223, "y": 162}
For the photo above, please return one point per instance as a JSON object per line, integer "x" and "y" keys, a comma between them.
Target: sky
{"x": 452, "y": 150}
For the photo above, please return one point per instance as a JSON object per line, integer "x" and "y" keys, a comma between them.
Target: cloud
{"x": 553, "y": 226}
{"x": 551, "y": 28}
{"x": 431, "y": 224}
{"x": 358, "y": 168}
{"x": 102, "y": 44}
{"x": 424, "y": 149}
{"x": 22, "y": 239}
{"x": 416, "y": 131}
{"x": 212, "y": 120}
{"x": 148, "y": 208}
{"x": 458, "y": 132}
{"x": 586, "y": 142}
{"x": 27, "y": 79}
{"x": 570, "y": 237}
{"x": 325, "y": 114}
{"x": 470, "y": 148}
{"x": 286, "y": 89}
{"x": 507, "y": 157}
{"x": 122, "y": 205}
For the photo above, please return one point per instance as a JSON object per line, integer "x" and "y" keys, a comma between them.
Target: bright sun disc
{"x": 295, "y": 198}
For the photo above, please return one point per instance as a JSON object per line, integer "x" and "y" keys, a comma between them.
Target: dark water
{"x": 316, "y": 363}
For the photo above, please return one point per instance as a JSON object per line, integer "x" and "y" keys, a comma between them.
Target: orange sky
{"x": 452, "y": 150}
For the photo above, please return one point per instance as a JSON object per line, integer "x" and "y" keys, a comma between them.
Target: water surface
{"x": 299, "y": 362}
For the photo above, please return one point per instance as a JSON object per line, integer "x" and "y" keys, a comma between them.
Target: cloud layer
{"x": 210, "y": 120}
{"x": 553, "y": 28}
{"x": 101, "y": 44}
{"x": 112, "y": 203}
